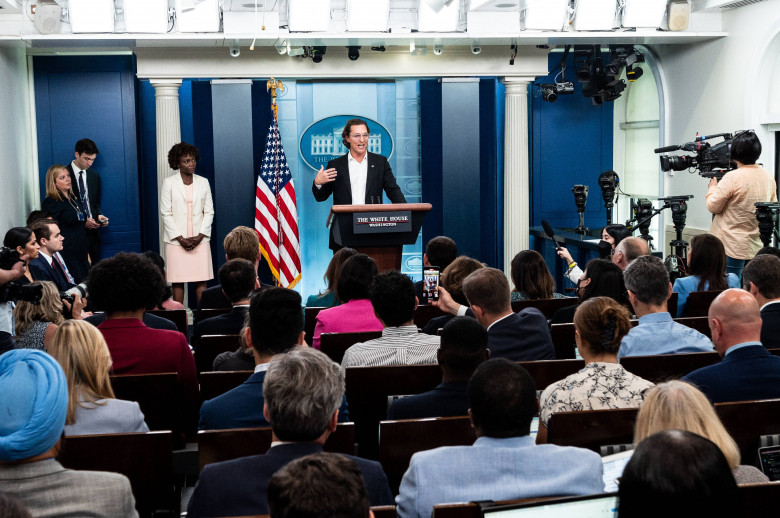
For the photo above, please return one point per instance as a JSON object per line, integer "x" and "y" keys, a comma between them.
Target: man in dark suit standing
{"x": 303, "y": 389}
{"x": 761, "y": 277}
{"x": 85, "y": 183}
{"x": 748, "y": 371}
{"x": 359, "y": 176}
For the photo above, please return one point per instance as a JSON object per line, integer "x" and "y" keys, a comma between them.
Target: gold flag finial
{"x": 273, "y": 85}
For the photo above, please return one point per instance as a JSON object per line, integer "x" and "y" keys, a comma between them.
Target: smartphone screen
{"x": 430, "y": 282}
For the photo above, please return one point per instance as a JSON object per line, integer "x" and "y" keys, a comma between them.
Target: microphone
{"x": 550, "y": 233}
{"x": 666, "y": 149}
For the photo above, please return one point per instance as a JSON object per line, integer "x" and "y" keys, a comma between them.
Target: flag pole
{"x": 273, "y": 85}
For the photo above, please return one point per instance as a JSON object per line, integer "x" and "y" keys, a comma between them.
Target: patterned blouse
{"x": 32, "y": 338}
{"x": 598, "y": 386}
{"x": 519, "y": 295}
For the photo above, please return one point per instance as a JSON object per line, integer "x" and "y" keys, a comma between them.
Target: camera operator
{"x": 732, "y": 202}
{"x": 6, "y": 308}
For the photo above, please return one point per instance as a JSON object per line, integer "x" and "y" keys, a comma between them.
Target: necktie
{"x": 83, "y": 192}
{"x": 59, "y": 265}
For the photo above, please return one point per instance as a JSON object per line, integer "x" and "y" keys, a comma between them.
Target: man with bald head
{"x": 748, "y": 371}
{"x": 629, "y": 249}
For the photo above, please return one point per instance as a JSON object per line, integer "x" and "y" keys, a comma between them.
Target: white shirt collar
{"x": 770, "y": 302}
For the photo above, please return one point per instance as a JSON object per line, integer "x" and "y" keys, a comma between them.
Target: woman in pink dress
{"x": 188, "y": 211}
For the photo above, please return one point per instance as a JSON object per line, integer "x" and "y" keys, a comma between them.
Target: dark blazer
{"x": 745, "y": 374}
{"x": 75, "y": 248}
{"x": 522, "y": 336}
{"x": 379, "y": 177}
{"x": 41, "y": 270}
{"x": 436, "y": 323}
{"x": 238, "y": 487}
{"x": 93, "y": 199}
{"x": 213, "y": 298}
{"x": 770, "y": 327}
{"x": 446, "y": 400}
{"x": 242, "y": 407}
{"x": 227, "y": 324}
{"x": 149, "y": 320}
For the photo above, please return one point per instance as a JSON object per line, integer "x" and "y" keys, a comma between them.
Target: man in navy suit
{"x": 463, "y": 348}
{"x": 49, "y": 266}
{"x": 748, "y": 371}
{"x": 357, "y": 177}
{"x": 85, "y": 183}
{"x": 303, "y": 389}
{"x": 275, "y": 327}
{"x": 761, "y": 277}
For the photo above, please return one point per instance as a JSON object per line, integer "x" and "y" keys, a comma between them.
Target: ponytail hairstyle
{"x": 602, "y": 324}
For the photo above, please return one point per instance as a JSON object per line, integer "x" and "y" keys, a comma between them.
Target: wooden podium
{"x": 379, "y": 231}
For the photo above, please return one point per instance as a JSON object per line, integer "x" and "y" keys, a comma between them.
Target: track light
{"x": 633, "y": 73}
{"x": 353, "y": 53}
{"x": 438, "y": 50}
{"x": 316, "y": 53}
{"x": 475, "y": 49}
{"x": 235, "y": 51}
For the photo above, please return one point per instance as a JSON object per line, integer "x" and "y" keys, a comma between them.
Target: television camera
{"x": 708, "y": 159}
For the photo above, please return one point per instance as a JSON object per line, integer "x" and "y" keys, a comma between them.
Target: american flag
{"x": 276, "y": 214}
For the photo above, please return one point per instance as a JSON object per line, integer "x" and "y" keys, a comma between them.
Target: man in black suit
{"x": 357, "y": 177}
{"x": 49, "y": 266}
{"x": 761, "y": 277}
{"x": 303, "y": 389}
{"x": 85, "y": 183}
{"x": 463, "y": 348}
{"x": 523, "y": 336}
{"x": 238, "y": 279}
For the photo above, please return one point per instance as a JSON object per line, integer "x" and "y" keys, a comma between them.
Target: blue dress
{"x": 685, "y": 285}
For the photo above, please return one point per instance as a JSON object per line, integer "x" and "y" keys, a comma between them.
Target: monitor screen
{"x": 592, "y": 506}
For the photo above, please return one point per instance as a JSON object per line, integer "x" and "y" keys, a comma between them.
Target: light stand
{"x": 580, "y": 200}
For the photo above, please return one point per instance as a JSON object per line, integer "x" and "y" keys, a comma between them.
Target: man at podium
{"x": 359, "y": 176}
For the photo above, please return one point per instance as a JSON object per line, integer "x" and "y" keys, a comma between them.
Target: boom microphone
{"x": 550, "y": 233}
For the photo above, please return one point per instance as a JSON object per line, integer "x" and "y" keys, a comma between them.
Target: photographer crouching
{"x": 732, "y": 201}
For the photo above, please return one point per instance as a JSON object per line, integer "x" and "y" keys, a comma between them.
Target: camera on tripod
{"x": 551, "y": 91}
{"x": 709, "y": 160}
{"x": 766, "y": 214}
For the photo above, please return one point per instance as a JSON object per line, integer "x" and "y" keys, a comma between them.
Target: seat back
{"x": 759, "y": 500}
{"x": 367, "y": 389}
{"x": 547, "y": 306}
{"x": 424, "y": 313}
{"x": 546, "y": 372}
{"x": 663, "y": 367}
{"x": 399, "y": 440}
{"x": 671, "y": 304}
{"x": 472, "y": 510}
{"x": 310, "y": 320}
{"x": 210, "y": 346}
{"x": 203, "y": 314}
{"x": 221, "y": 445}
{"x": 215, "y": 383}
{"x": 145, "y": 458}
{"x": 592, "y": 429}
{"x": 747, "y": 421}
{"x": 700, "y": 324}
{"x": 698, "y": 303}
{"x": 177, "y": 316}
{"x": 156, "y": 394}
{"x": 336, "y": 344}
{"x": 563, "y": 341}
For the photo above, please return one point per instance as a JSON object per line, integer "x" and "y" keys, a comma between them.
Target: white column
{"x": 516, "y": 180}
{"x": 166, "y": 93}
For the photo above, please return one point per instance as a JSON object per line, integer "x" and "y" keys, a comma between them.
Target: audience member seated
{"x": 706, "y": 270}
{"x": 532, "y": 278}
{"x": 34, "y": 405}
{"x": 23, "y": 241}
{"x": 92, "y": 409}
{"x": 761, "y": 277}
{"x": 647, "y": 282}
{"x": 320, "y": 485}
{"x": 330, "y": 297}
{"x": 748, "y": 371}
{"x": 522, "y": 336}
{"x": 600, "y": 324}
{"x": 303, "y": 389}
{"x": 601, "y": 278}
{"x": 452, "y": 280}
{"x": 35, "y": 324}
{"x": 49, "y": 265}
{"x": 504, "y": 463}
{"x": 628, "y": 250}
{"x": 123, "y": 286}
{"x": 677, "y": 474}
{"x": 167, "y": 301}
{"x": 275, "y": 326}
{"x": 238, "y": 278}
{"x": 769, "y": 250}
{"x": 241, "y": 359}
{"x": 355, "y": 313}
{"x": 440, "y": 251}
{"x": 676, "y": 405}
{"x": 240, "y": 243}
{"x": 392, "y": 296}
{"x": 463, "y": 348}
{"x": 611, "y": 235}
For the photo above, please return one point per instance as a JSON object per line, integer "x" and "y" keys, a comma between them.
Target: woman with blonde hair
{"x": 35, "y": 324}
{"x": 600, "y": 324}
{"x": 82, "y": 352}
{"x": 677, "y": 405}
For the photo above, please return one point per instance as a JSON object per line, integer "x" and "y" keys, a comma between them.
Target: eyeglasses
{"x": 359, "y": 136}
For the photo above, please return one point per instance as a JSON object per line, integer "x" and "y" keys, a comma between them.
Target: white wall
{"x": 719, "y": 86}
{"x": 17, "y": 177}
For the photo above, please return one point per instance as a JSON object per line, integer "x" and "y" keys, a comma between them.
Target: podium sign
{"x": 382, "y": 222}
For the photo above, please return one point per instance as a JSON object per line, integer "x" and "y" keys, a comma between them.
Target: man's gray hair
{"x": 648, "y": 279}
{"x": 302, "y": 389}
{"x": 633, "y": 247}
